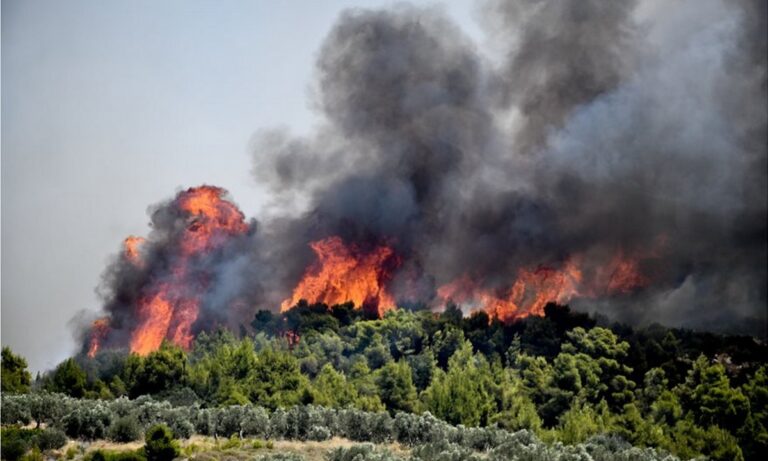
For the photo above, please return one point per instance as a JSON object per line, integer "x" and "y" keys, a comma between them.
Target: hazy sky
{"x": 110, "y": 106}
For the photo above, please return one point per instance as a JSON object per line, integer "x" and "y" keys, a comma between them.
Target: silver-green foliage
{"x": 430, "y": 438}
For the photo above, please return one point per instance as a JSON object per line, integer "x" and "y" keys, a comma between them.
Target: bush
{"x": 71, "y": 453}
{"x": 444, "y": 451}
{"x": 125, "y": 429}
{"x": 109, "y": 455}
{"x": 319, "y": 433}
{"x": 50, "y": 439}
{"x": 33, "y": 455}
{"x": 15, "y": 410}
{"x": 15, "y": 442}
{"x": 281, "y": 457}
{"x": 159, "y": 444}
{"x": 255, "y": 422}
{"x": 178, "y": 420}
{"x": 88, "y": 421}
{"x": 364, "y": 452}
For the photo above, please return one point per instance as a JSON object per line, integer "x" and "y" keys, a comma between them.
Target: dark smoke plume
{"x": 606, "y": 126}
{"x": 633, "y": 128}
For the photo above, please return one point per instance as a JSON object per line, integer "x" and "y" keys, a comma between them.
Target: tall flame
{"x": 170, "y": 301}
{"x": 345, "y": 273}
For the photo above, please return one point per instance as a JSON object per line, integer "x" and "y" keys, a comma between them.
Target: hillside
{"x": 561, "y": 378}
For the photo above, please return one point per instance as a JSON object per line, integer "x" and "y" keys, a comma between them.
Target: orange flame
{"x": 211, "y": 219}
{"x": 530, "y": 292}
{"x": 157, "y": 313}
{"x": 345, "y": 273}
{"x": 173, "y": 307}
{"x": 533, "y": 289}
{"x": 132, "y": 245}
{"x": 99, "y": 330}
{"x": 169, "y": 308}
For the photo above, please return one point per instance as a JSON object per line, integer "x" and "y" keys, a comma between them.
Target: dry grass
{"x": 200, "y": 448}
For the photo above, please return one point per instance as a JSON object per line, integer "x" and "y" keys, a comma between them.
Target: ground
{"x": 207, "y": 449}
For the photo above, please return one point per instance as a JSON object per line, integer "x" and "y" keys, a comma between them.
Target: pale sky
{"x": 111, "y": 106}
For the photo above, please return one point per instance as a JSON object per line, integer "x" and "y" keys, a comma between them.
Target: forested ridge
{"x": 566, "y": 377}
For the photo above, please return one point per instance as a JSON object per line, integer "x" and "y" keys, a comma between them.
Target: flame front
{"x": 171, "y": 273}
{"x": 532, "y": 289}
{"x": 346, "y": 273}
{"x": 168, "y": 303}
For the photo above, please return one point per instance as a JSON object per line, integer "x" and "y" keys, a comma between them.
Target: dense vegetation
{"x": 430, "y": 438}
{"x": 565, "y": 377}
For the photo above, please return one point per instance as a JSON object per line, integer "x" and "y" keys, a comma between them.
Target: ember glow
{"x": 345, "y": 273}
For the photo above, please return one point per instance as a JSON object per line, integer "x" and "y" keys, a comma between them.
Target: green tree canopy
{"x": 68, "y": 378}
{"x": 15, "y": 376}
{"x": 396, "y": 388}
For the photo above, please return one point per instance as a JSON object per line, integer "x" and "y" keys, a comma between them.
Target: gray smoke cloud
{"x": 637, "y": 127}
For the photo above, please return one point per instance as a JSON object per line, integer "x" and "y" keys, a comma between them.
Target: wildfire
{"x": 132, "y": 245}
{"x": 345, "y": 273}
{"x": 99, "y": 330}
{"x": 532, "y": 289}
{"x": 211, "y": 219}
{"x": 157, "y": 313}
{"x": 530, "y": 292}
{"x": 170, "y": 300}
{"x": 175, "y": 277}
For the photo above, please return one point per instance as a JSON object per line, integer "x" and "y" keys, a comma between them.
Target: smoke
{"x": 620, "y": 135}
{"x": 631, "y": 127}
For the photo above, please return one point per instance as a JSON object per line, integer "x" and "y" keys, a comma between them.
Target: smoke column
{"x": 609, "y": 154}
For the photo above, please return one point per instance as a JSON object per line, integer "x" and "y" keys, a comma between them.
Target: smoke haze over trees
{"x": 634, "y": 127}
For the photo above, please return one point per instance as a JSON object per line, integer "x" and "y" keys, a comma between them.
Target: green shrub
{"x": 363, "y": 452}
{"x": 232, "y": 442}
{"x": 109, "y": 455}
{"x": 71, "y": 452}
{"x": 50, "y": 439}
{"x": 14, "y": 448}
{"x": 15, "y": 409}
{"x": 281, "y": 457}
{"x": 124, "y": 429}
{"x": 33, "y": 455}
{"x": 15, "y": 441}
{"x": 159, "y": 444}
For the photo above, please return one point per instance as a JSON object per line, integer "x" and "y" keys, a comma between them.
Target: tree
{"x": 582, "y": 421}
{"x": 445, "y": 343}
{"x": 754, "y": 434}
{"x": 465, "y": 393}
{"x": 396, "y": 388}
{"x": 276, "y": 380}
{"x": 599, "y": 357}
{"x": 68, "y": 378}
{"x": 15, "y": 377}
{"x": 331, "y": 389}
{"x": 423, "y": 366}
{"x": 708, "y": 395}
{"x": 367, "y": 392}
{"x": 161, "y": 370}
